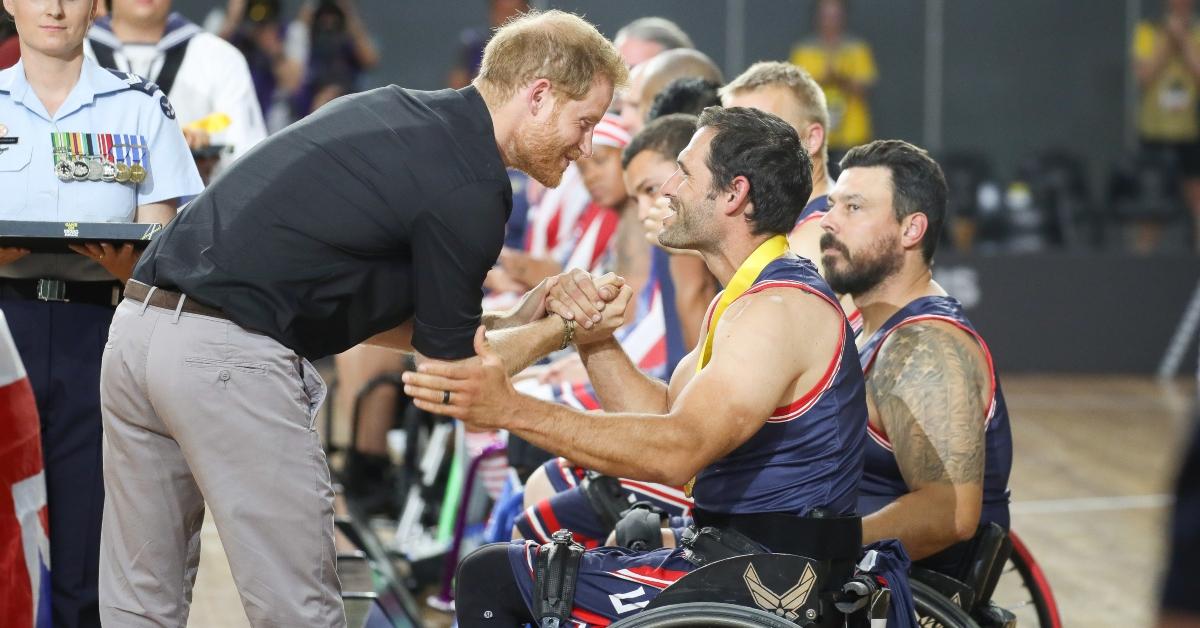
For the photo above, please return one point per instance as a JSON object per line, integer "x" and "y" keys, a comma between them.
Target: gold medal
{"x": 137, "y": 173}
{"x": 122, "y": 173}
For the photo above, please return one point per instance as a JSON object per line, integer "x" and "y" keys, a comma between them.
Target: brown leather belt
{"x": 169, "y": 300}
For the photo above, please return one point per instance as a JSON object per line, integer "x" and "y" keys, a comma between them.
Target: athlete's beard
{"x": 688, "y": 228}
{"x": 861, "y": 273}
{"x": 538, "y": 152}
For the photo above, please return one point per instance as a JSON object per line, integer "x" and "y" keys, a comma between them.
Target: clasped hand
{"x": 478, "y": 390}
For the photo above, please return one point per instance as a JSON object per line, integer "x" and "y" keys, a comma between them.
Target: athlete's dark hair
{"x": 918, "y": 185}
{"x": 767, "y": 151}
{"x": 690, "y": 94}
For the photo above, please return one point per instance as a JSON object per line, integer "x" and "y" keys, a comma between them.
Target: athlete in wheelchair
{"x": 767, "y": 415}
{"x": 940, "y": 485}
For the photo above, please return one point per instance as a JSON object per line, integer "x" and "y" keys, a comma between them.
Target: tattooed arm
{"x": 928, "y": 386}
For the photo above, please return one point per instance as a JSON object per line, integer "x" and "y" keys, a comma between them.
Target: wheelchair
{"x": 762, "y": 590}
{"x": 1000, "y": 587}
{"x": 780, "y": 591}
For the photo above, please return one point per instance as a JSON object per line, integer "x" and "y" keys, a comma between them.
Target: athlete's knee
{"x": 486, "y": 591}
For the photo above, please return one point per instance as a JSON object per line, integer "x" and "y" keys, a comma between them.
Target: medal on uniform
{"x": 92, "y": 159}
{"x": 137, "y": 172}
{"x": 750, "y": 269}
{"x": 95, "y": 168}
{"x": 62, "y": 156}
{"x": 120, "y": 153}
{"x": 79, "y": 166}
{"x": 79, "y": 169}
{"x": 62, "y": 170}
{"x": 108, "y": 171}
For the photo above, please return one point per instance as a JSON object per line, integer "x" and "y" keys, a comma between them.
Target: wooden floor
{"x": 1094, "y": 460}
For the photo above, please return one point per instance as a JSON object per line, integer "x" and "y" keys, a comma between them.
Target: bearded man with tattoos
{"x": 940, "y": 448}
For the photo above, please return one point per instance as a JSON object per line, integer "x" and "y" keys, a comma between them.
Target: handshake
{"x": 596, "y": 305}
{"x": 478, "y": 390}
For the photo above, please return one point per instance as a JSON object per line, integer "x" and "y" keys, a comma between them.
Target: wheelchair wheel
{"x": 934, "y": 610}
{"x": 1024, "y": 591}
{"x": 694, "y": 614}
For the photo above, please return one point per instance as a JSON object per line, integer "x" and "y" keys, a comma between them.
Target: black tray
{"x": 53, "y": 237}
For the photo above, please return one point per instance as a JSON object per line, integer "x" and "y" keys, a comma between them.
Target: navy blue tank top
{"x": 814, "y": 210}
{"x": 809, "y": 454}
{"x": 882, "y": 482}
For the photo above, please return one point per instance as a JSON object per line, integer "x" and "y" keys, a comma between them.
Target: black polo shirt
{"x": 379, "y": 207}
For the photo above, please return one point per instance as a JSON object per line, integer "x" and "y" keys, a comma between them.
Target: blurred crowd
{"x": 1050, "y": 200}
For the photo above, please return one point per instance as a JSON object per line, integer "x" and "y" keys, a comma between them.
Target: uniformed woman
{"x": 77, "y": 144}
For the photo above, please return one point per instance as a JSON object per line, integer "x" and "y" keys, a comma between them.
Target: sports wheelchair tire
{"x": 693, "y": 614}
{"x": 1024, "y": 591}
{"x": 934, "y": 610}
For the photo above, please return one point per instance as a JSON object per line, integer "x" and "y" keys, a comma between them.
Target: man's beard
{"x": 862, "y": 273}
{"x": 687, "y": 229}
{"x": 538, "y": 153}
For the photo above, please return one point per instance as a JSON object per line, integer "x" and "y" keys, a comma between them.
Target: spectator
{"x": 472, "y": 41}
{"x": 644, "y": 38}
{"x": 10, "y": 46}
{"x": 1166, "y": 60}
{"x": 689, "y": 95}
{"x": 202, "y": 74}
{"x": 651, "y": 77}
{"x": 275, "y": 52}
{"x": 845, "y": 68}
{"x": 339, "y": 51}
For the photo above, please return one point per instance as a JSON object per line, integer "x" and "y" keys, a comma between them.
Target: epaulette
{"x": 149, "y": 88}
{"x": 136, "y": 83}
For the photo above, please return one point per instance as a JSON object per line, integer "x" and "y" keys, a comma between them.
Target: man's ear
{"x": 915, "y": 226}
{"x": 736, "y": 197}
{"x": 814, "y": 139}
{"x": 539, "y": 95}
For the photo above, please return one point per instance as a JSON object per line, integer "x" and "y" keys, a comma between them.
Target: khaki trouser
{"x": 198, "y": 410}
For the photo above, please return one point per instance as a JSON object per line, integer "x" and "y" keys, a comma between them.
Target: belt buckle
{"x": 52, "y": 290}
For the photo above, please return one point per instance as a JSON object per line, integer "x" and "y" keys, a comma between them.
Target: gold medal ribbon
{"x": 743, "y": 278}
{"x": 750, "y": 269}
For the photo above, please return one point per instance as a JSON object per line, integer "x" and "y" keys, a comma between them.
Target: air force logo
{"x": 167, "y": 109}
{"x": 782, "y": 604}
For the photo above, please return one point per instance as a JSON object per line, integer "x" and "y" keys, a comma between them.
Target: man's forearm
{"x": 923, "y": 520}
{"x": 398, "y": 338}
{"x": 647, "y": 447}
{"x": 496, "y": 320}
{"x": 521, "y": 346}
{"x": 620, "y": 386}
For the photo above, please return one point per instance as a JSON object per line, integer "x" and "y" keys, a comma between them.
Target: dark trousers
{"x": 61, "y": 345}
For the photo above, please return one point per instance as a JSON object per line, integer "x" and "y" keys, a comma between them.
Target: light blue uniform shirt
{"x": 101, "y": 102}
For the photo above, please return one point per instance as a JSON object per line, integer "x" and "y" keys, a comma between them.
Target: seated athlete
{"x": 767, "y": 413}
{"x": 554, "y": 496}
{"x": 940, "y": 449}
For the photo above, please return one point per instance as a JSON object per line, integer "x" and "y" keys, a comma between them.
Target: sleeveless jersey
{"x": 882, "y": 482}
{"x": 809, "y": 454}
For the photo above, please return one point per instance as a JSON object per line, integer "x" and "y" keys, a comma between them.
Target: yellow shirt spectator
{"x": 1168, "y": 104}
{"x": 843, "y": 72}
